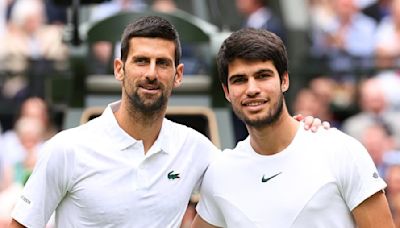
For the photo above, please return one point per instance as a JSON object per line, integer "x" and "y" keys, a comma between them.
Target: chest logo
{"x": 265, "y": 179}
{"x": 172, "y": 175}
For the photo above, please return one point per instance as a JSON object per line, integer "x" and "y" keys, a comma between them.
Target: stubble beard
{"x": 147, "y": 106}
{"x": 268, "y": 120}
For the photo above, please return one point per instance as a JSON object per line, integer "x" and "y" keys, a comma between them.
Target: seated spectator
{"x": 339, "y": 40}
{"x": 387, "y": 46}
{"x": 102, "y": 51}
{"x": 390, "y": 80}
{"x": 379, "y": 142}
{"x": 307, "y": 103}
{"x": 34, "y": 108}
{"x": 38, "y": 108}
{"x": 28, "y": 38}
{"x": 258, "y": 15}
{"x": 373, "y": 107}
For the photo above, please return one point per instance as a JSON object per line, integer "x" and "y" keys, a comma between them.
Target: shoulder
{"x": 66, "y": 141}
{"x": 229, "y": 159}
{"x": 187, "y": 134}
{"x": 332, "y": 137}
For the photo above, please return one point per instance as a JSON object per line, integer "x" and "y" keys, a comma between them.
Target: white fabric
{"x": 320, "y": 178}
{"x": 96, "y": 175}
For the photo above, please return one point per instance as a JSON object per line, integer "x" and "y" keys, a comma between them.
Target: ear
{"x": 285, "y": 82}
{"x": 226, "y": 91}
{"x": 178, "y": 75}
{"x": 119, "y": 69}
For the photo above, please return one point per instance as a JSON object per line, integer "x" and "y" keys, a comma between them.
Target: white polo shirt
{"x": 315, "y": 182}
{"x": 96, "y": 175}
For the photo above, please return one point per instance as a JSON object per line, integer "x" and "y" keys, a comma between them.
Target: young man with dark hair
{"x": 282, "y": 176}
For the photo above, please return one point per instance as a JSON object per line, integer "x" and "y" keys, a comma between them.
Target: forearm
{"x": 15, "y": 224}
{"x": 374, "y": 212}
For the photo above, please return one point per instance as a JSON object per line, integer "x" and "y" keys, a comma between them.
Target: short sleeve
{"x": 207, "y": 207}
{"x": 46, "y": 186}
{"x": 356, "y": 172}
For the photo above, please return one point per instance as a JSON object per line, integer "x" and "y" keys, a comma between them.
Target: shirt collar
{"x": 164, "y": 142}
{"x": 167, "y": 139}
{"x": 121, "y": 139}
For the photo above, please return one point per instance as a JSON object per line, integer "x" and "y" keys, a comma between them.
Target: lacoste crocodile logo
{"x": 172, "y": 175}
{"x": 264, "y": 179}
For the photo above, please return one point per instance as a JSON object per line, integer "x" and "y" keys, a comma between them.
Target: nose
{"x": 252, "y": 88}
{"x": 152, "y": 71}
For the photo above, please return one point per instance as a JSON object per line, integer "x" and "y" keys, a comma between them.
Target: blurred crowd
{"x": 355, "y": 44}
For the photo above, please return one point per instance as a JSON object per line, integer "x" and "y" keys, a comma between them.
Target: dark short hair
{"x": 152, "y": 27}
{"x": 253, "y": 45}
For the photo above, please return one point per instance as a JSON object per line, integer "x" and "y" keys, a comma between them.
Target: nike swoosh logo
{"x": 263, "y": 179}
{"x": 172, "y": 175}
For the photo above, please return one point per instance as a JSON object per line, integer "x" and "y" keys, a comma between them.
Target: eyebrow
{"x": 261, "y": 71}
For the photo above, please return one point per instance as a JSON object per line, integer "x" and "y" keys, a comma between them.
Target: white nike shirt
{"x": 96, "y": 175}
{"x": 315, "y": 182}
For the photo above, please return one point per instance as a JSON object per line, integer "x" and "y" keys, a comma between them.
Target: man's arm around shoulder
{"x": 15, "y": 224}
{"x": 373, "y": 212}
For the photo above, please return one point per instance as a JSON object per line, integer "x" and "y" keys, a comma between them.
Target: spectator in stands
{"x": 307, "y": 103}
{"x": 387, "y": 47}
{"x": 379, "y": 142}
{"x": 258, "y": 15}
{"x": 38, "y": 108}
{"x": 102, "y": 50}
{"x": 373, "y": 107}
{"x": 340, "y": 40}
{"x": 35, "y": 108}
{"x": 321, "y": 14}
{"x": 310, "y": 102}
{"x": 166, "y": 6}
{"x": 106, "y": 9}
{"x": 390, "y": 80}
{"x": 28, "y": 38}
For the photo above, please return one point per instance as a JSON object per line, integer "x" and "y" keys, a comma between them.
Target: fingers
{"x": 326, "y": 124}
{"x": 308, "y": 121}
{"x": 313, "y": 123}
{"x": 316, "y": 123}
{"x": 298, "y": 117}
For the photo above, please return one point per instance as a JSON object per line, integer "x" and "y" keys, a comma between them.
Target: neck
{"x": 140, "y": 126}
{"x": 276, "y": 137}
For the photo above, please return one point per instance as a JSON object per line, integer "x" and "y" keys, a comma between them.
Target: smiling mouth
{"x": 150, "y": 87}
{"x": 254, "y": 103}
